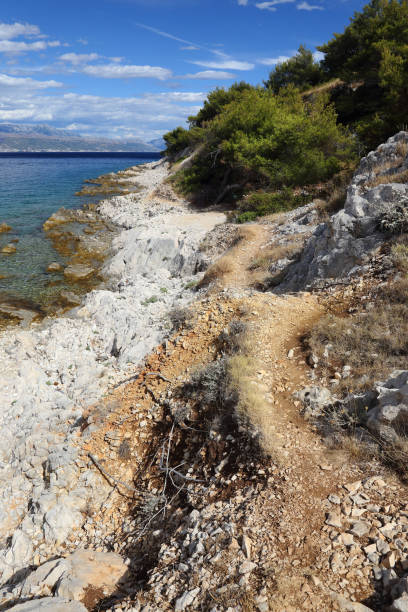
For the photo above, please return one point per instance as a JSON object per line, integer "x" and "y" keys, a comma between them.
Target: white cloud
{"x": 318, "y": 56}
{"x": 272, "y": 61}
{"x": 189, "y": 48}
{"x": 271, "y": 5}
{"x": 210, "y": 74}
{"x": 305, "y": 6}
{"x": 8, "y": 31}
{"x": 16, "y": 46}
{"x": 226, "y": 65}
{"x": 119, "y": 71}
{"x": 25, "y": 83}
{"x": 146, "y": 116}
{"x": 78, "y": 58}
{"x": 242, "y": 2}
{"x": 82, "y": 41}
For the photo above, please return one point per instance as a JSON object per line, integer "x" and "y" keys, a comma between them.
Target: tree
{"x": 215, "y": 102}
{"x": 371, "y": 57}
{"x": 301, "y": 70}
{"x": 355, "y": 54}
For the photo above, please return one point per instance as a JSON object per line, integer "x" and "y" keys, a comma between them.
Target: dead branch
{"x": 158, "y": 375}
{"x": 227, "y": 189}
{"x": 110, "y": 477}
{"x": 149, "y": 390}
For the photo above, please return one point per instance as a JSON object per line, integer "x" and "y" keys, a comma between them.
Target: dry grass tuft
{"x": 268, "y": 256}
{"x": 333, "y": 203}
{"x": 384, "y": 179}
{"x": 399, "y": 253}
{"x": 373, "y": 342}
{"x": 223, "y": 266}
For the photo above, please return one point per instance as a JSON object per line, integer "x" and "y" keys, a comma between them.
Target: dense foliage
{"x": 288, "y": 134}
{"x": 266, "y": 140}
{"x": 372, "y": 55}
{"x": 301, "y": 70}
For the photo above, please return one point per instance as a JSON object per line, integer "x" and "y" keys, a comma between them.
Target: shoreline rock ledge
{"x": 53, "y": 370}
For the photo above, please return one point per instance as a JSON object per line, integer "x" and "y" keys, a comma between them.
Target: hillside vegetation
{"x": 269, "y": 148}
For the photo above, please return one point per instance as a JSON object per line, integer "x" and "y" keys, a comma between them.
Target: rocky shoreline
{"x": 52, "y": 371}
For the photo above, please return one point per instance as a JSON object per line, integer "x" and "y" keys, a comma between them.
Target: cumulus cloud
{"x": 271, "y": 5}
{"x": 123, "y": 71}
{"x": 226, "y": 65}
{"x": 26, "y": 83}
{"x": 78, "y": 58}
{"x": 10, "y": 31}
{"x": 272, "y": 61}
{"x": 305, "y": 6}
{"x": 210, "y": 74}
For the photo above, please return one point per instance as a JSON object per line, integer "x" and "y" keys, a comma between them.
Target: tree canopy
{"x": 301, "y": 70}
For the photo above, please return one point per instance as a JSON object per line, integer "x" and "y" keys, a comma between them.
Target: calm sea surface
{"x": 32, "y": 187}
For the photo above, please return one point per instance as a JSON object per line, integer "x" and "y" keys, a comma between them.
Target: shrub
{"x": 394, "y": 218}
{"x": 373, "y": 342}
{"x": 263, "y": 203}
{"x": 260, "y": 139}
{"x": 180, "y": 317}
{"x": 399, "y": 254}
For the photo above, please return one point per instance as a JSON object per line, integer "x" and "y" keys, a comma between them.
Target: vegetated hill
{"x": 41, "y": 138}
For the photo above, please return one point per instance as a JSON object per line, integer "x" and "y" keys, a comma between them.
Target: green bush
{"x": 259, "y": 204}
{"x": 262, "y": 140}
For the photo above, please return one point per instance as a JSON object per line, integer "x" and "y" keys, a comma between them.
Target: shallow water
{"x": 32, "y": 187}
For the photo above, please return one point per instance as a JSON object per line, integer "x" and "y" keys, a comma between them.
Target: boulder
{"x": 49, "y": 604}
{"x": 9, "y": 249}
{"x": 69, "y": 298}
{"x": 389, "y": 412}
{"x": 78, "y": 272}
{"x": 57, "y": 218}
{"x": 87, "y": 568}
{"x": 315, "y": 400}
{"x": 84, "y": 574}
{"x": 54, "y": 267}
{"x": 4, "y": 228}
{"x": 352, "y": 236}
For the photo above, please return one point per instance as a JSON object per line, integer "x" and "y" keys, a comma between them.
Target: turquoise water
{"x": 32, "y": 187}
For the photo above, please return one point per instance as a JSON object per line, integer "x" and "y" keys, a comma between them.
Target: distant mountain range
{"x": 43, "y": 138}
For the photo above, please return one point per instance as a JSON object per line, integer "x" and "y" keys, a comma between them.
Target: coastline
{"x": 57, "y": 368}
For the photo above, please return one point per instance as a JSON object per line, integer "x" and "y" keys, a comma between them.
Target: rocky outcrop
{"x": 72, "y": 579}
{"x": 346, "y": 243}
{"x": 4, "y": 228}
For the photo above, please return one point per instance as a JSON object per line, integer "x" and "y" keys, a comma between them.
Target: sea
{"x": 32, "y": 187}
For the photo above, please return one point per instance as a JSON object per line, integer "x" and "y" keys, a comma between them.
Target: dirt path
{"x": 302, "y": 558}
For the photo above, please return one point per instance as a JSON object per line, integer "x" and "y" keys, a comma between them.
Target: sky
{"x": 138, "y": 68}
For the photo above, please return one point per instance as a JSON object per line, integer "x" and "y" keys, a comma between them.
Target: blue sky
{"x": 137, "y": 68}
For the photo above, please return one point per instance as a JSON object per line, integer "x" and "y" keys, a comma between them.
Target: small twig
{"x": 122, "y": 382}
{"x": 144, "y": 528}
{"x": 110, "y": 477}
{"x": 159, "y": 376}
